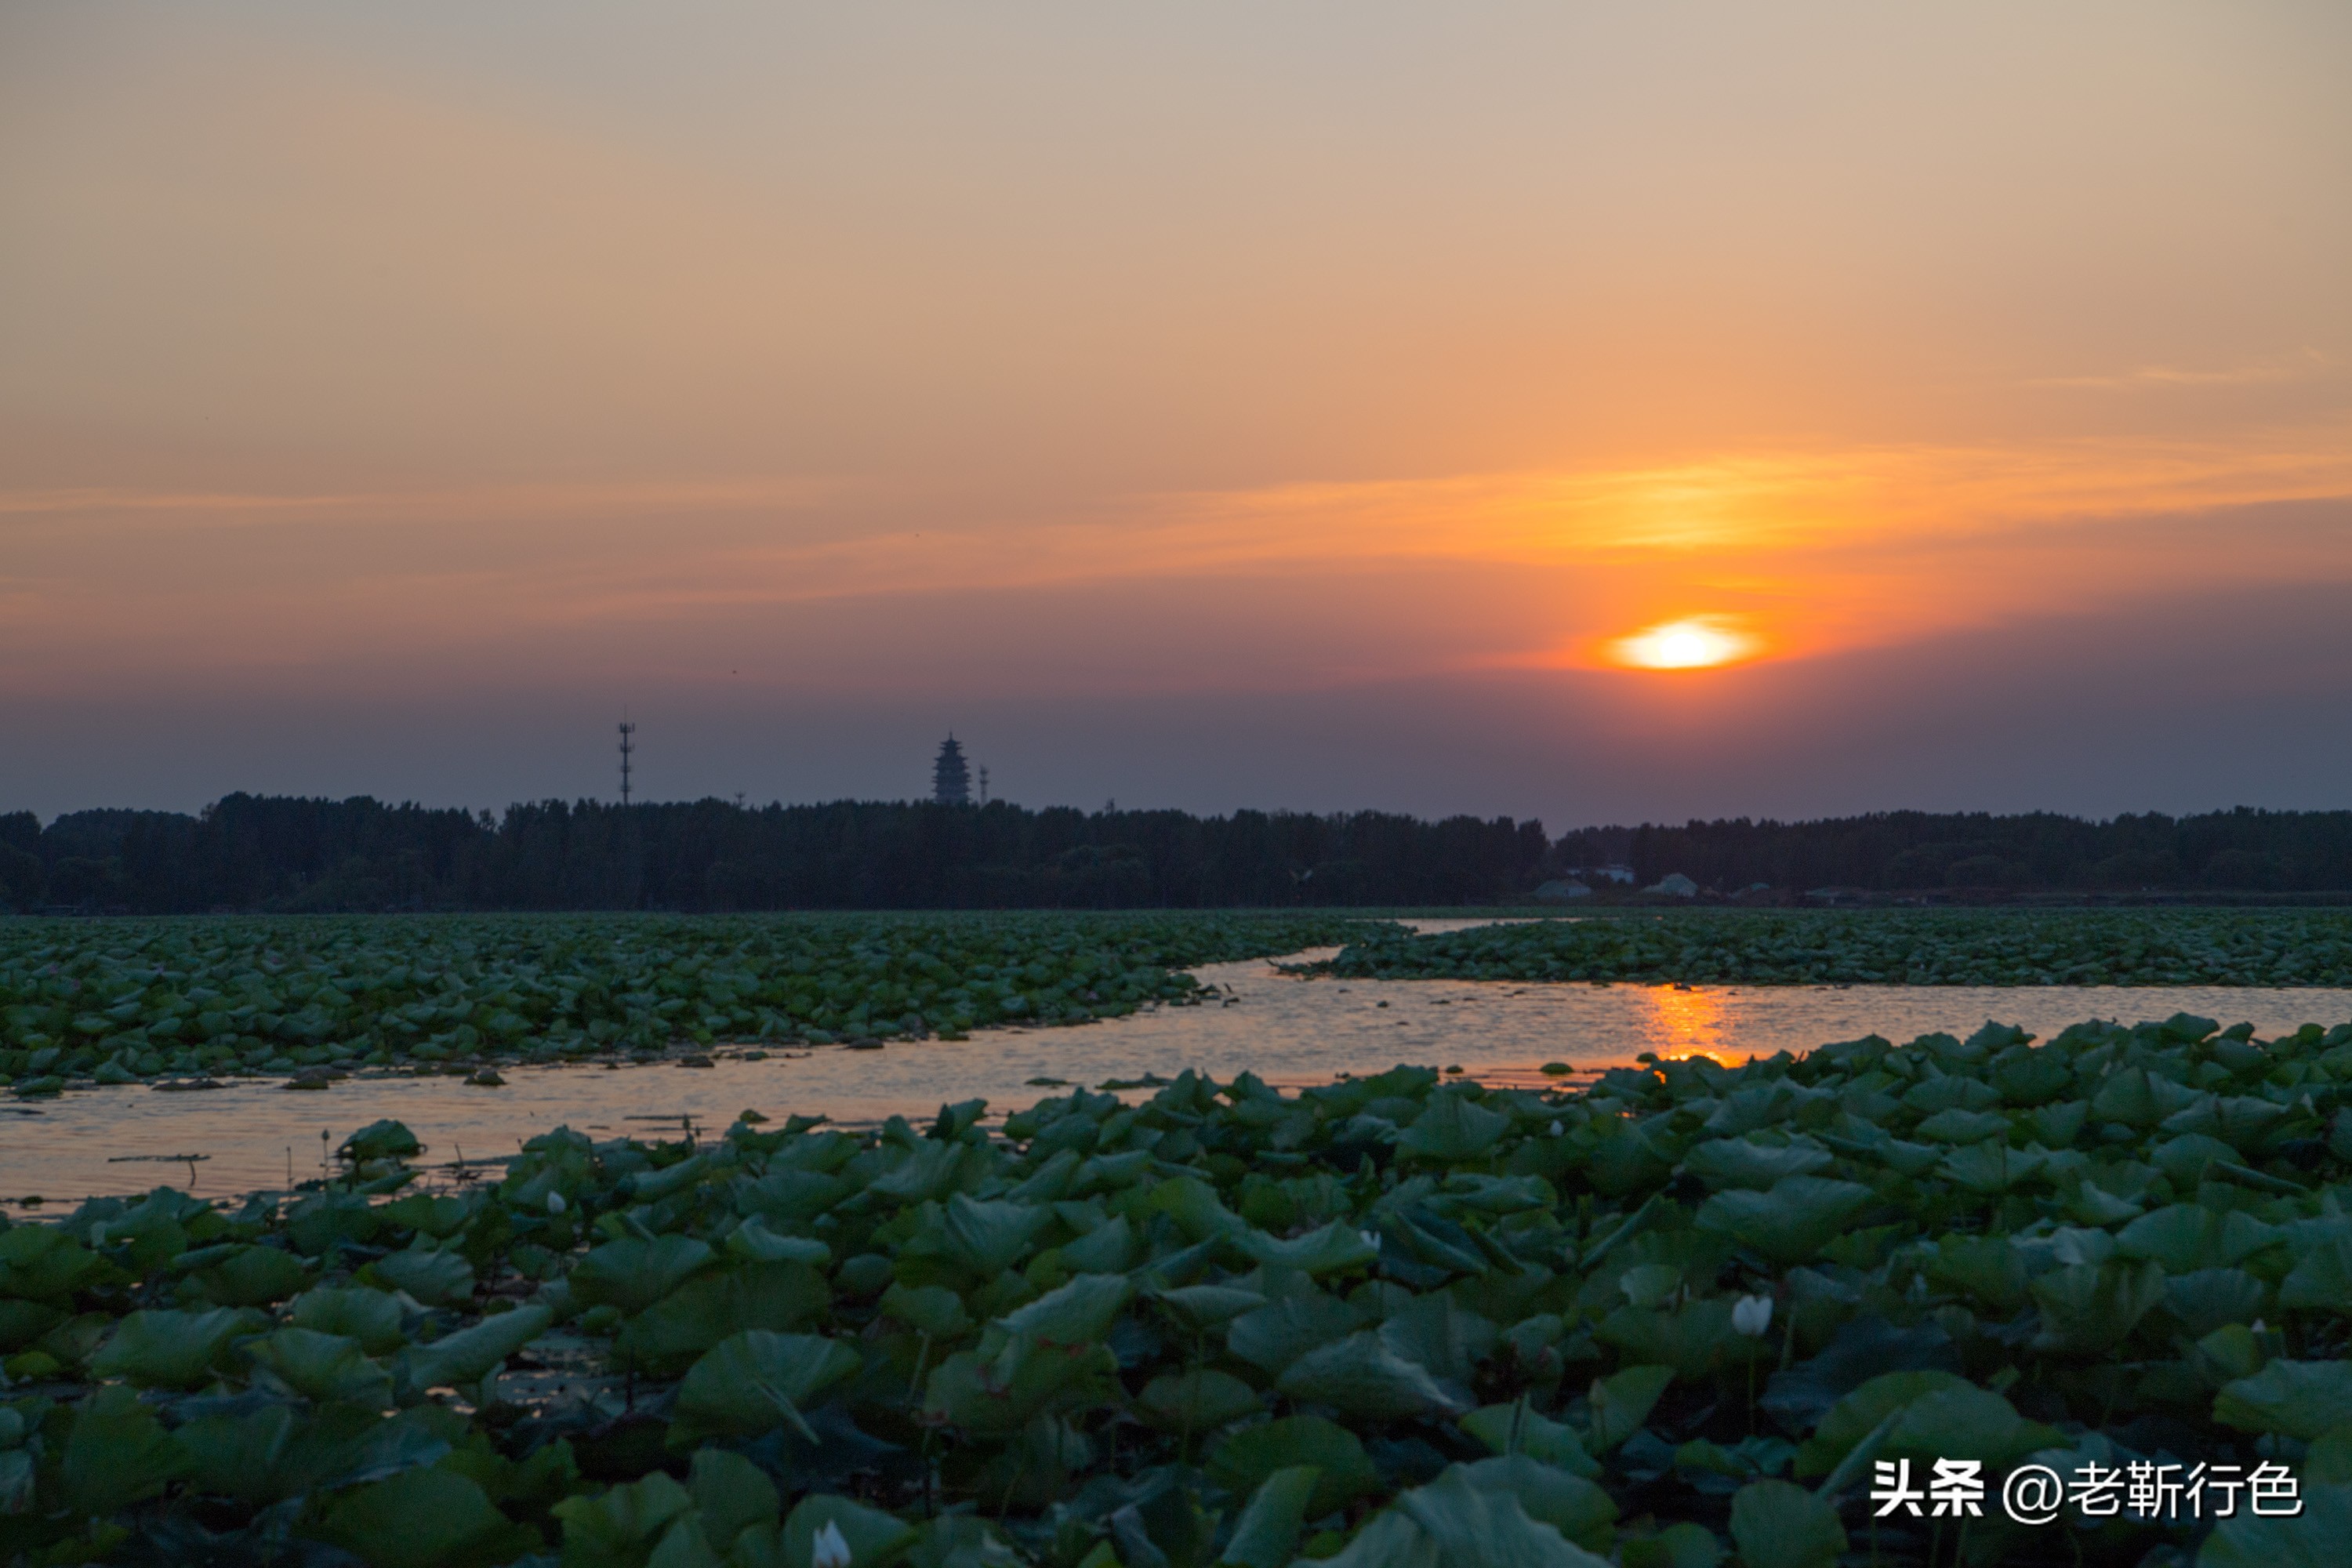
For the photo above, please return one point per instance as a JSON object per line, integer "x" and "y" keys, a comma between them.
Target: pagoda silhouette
{"x": 950, "y": 777}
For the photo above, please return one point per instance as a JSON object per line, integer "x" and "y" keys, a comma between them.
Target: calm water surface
{"x": 1288, "y": 1031}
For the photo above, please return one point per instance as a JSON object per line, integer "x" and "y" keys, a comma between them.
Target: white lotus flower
{"x": 555, "y": 1203}
{"x": 1751, "y": 1315}
{"x": 2257, "y": 1327}
{"x": 1371, "y": 1238}
{"x": 1557, "y": 1129}
{"x": 830, "y": 1549}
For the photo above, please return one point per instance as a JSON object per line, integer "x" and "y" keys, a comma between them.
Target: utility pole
{"x": 628, "y": 744}
{"x": 983, "y": 786}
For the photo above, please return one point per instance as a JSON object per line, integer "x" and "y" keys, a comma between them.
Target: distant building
{"x": 950, "y": 777}
{"x": 1676, "y": 885}
{"x": 1561, "y": 892}
{"x": 1589, "y": 874}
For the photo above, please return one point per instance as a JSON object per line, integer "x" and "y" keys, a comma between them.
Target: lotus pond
{"x": 120, "y": 1001}
{"x": 1670, "y": 1320}
{"x": 1882, "y": 947}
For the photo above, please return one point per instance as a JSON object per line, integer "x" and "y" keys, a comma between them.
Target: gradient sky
{"x": 1203, "y": 405}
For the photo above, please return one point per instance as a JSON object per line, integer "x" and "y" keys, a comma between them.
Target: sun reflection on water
{"x": 1678, "y": 1023}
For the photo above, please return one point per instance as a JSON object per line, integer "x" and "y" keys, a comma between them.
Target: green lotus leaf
{"x": 1536, "y": 1435}
{"x": 927, "y": 1174}
{"x": 2292, "y": 1399}
{"x": 932, "y": 1309}
{"x": 1962, "y": 1127}
{"x": 620, "y": 1527}
{"x": 118, "y": 1454}
{"x": 1789, "y": 1223}
{"x": 1858, "y": 1413}
{"x": 1436, "y": 1332}
{"x": 1683, "y": 1545}
{"x": 2322, "y": 1275}
{"x": 1079, "y": 1312}
{"x": 325, "y": 1368}
{"x": 731, "y": 1494}
{"x": 370, "y": 1317}
{"x": 988, "y": 1237}
{"x": 755, "y": 1243}
{"x": 1199, "y": 1399}
{"x": 1195, "y": 1207}
{"x": 2139, "y": 1098}
{"x": 634, "y": 1274}
{"x": 2313, "y": 1539}
{"x": 385, "y": 1139}
{"x": 424, "y": 1518}
{"x": 1247, "y": 1459}
{"x": 1620, "y": 1403}
{"x": 874, "y": 1539}
{"x": 752, "y": 1382}
{"x": 2188, "y": 1237}
{"x": 2208, "y": 1298}
{"x": 250, "y": 1277}
{"x": 790, "y": 1198}
{"x": 1778, "y": 1525}
{"x": 436, "y": 1216}
{"x": 1108, "y": 1249}
{"x": 2088, "y": 1310}
{"x": 1986, "y": 1267}
{"x": 1695, "y": 1339}
{"x": 1570, "y": 1503}
{"x": 1453, "y": 1523}
{"x": 436, "y": 1278}
{"x": 1649, "y": 1284}
{"x": 1267, "y": 1534}
{"x": 1452, "y": 1128}
{"x": 1278, "y": 1333}
{"x": 1336, "y": 1246}
{"x": 1198, "y": 1307}
{"x": 42, "y": 1263}
{"x": 470, "y": 1355}
{"x": 1362, "y": 1376}
{"x": 707, "y": 1309}
{"x": 1992, "y": 1167}
{"x": 162, "y": 1349}
{"x": 1742, "y": 1163}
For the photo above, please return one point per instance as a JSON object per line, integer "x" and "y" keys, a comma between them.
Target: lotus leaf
{"x": 1244, "y": 1461}
{"x": 929, "y": 1309}
{"x": 1206, "y": 1306}
{"x": 1278, "y": 1333}
{"x": 327, "y": 1368}
{"x": 1693, "y": 1339}
{"x": 874, "y": 1539}
{"x": 436, "y": 1278}
{"x": 1571, "y": 1504}
{"x": 423, "y": 1519}
{"x": 170, "y": 1349}
{"x": 1778, "y": 1525}
{"x": 2087, "y": 1311}
{"x": 2312, "y": 1538}
{"x": 731, "y": 1495}
{"x": 470, "y": 1355}
{"x": 370, "y": 1317}
{"x": 2187, "y": 1236}
{"x": 1197, "y": 1400}
{"x": 1361, "y": 1375}
{"x": 620, "y": 1527}
{"x": 755, "y": 1382}
{"x": 1499, "y": 1426}
{"x": 1620, "y": 1403}
{"x": 1454, "y": 1523}
{"x": 1336, "y": 1246}
{"x": 1267, "y": 1534}
{"x": 436, "y": 1216}
{"x": 250, "y": 1277}
{"x": 1743, "y": 1163}
{"x": 2292, "y": 1399}
{"x": 118, "y": 1454}
{"x": 2322, "y": 1275}
{"x": 778, "y": 1297}
{"x": 1789, "y": 1223}
{"x": 634, "y": 1274}
{"x": 2207, "y": 1299}
{"x": 1452, "y": 1127}
{"x": 1853, "y": 1416}
{"x": 1963, "y": 1127}
{"x": 754, "y": 1242}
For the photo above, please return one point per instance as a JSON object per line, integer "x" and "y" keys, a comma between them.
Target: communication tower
{"x": 628, "y": 744}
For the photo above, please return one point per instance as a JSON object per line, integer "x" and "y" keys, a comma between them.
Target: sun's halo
{"x": 1694, "y": 642}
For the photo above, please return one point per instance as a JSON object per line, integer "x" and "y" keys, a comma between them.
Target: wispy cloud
{"x": 2308, "y": 364}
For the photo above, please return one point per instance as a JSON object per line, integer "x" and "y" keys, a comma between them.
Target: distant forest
{"x": 248, "y": 852}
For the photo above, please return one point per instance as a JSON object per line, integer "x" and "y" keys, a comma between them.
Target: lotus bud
{"x": 2257, "y": 1327}
{"x": 830, "y": 1548}
{"x": 1557, "y": 1129}
{"x": 555, "y": 1203}
{"x": 1371, "y": 1238}
{"x": 1751, "y": 1315}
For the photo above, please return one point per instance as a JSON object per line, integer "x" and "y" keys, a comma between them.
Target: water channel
{"x": 253, "y": 1133}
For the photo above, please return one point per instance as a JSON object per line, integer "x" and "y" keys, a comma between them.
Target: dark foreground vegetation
{"x": 1885, "y": 947}
{"x": 251, "y": 853}
{"x": 115, "y": 1001}
{"x": 1392, "y": 1322}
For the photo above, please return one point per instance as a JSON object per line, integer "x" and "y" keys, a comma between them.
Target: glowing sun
{"x": 1694, "y": 642}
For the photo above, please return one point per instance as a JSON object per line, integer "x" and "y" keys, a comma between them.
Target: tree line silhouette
{"x": 278, "y": 853}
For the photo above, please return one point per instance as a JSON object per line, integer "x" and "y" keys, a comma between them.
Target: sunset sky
{"x": 1323, "y": 405}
